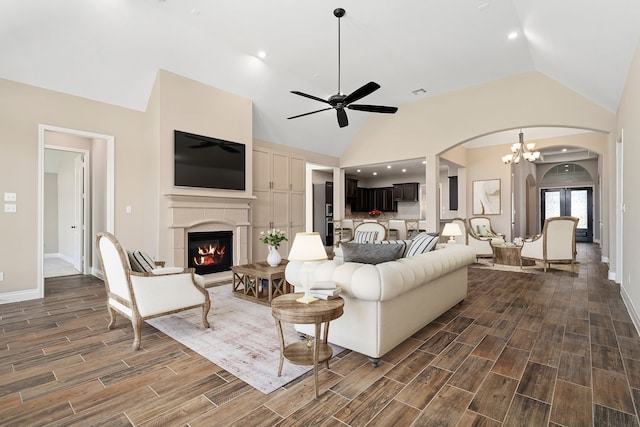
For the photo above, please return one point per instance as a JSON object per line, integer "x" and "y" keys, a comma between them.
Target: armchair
{"x": 142, "y": 296}
{"x": 556, "y": 244}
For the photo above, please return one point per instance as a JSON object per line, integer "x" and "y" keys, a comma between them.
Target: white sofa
{"x": 385, "y": 304}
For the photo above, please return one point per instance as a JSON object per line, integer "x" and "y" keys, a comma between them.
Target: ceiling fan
{"x": 340, "y": 101}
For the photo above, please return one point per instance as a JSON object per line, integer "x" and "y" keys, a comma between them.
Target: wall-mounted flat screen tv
{"x": 205, "y": 162}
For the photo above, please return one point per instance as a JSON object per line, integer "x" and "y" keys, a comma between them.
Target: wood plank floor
{"x": 521, "y": 350}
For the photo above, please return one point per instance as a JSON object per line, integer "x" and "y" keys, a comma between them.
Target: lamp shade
{"x": 451, "y": 229}
{"x": 307, "y": 247}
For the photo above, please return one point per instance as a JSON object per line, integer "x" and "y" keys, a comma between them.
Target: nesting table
{"x": 286, "y": 309}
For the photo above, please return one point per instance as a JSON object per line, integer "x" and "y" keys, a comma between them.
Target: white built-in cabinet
{"x": 278, "y": 185}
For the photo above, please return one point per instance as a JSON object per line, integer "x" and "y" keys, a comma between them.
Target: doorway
{"x": 572, "y": 201}
{"x": 96, "y": 207}
{"x": 65, "y": 211}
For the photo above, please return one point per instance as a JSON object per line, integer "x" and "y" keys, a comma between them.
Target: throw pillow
{"x": 406, "y": 244}
{"x": 370, "y": 254}
{"x": 140, "y": 261}
{"x": 365, "y": 236}
{"x": 484, "y": 231}
{"x": 422, "y": 243}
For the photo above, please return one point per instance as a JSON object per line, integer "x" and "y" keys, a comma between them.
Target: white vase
{"x": 273, "y": 259}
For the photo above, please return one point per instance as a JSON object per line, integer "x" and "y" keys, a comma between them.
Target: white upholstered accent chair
{"x": 482, "y": 237}
{"x": 556, "y": 244}
{"x": 142, "y": 296}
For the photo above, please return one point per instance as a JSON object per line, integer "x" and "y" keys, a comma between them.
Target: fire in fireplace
{"x": 210, "y": 251}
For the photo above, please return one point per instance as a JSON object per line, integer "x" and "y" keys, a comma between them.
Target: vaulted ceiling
{"x": 110, "y": 50}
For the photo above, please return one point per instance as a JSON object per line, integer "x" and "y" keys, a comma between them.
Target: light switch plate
{"x": 9, "y": 197}
{"x": 9, "y": 207}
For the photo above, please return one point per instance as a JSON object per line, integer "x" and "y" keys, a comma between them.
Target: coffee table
{"x": 509, "y": 255}
{"x": 248, "y": 281}
{"x": 285, "y": 308}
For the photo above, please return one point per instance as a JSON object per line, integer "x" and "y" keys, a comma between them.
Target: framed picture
{"x": 486, "y": 197}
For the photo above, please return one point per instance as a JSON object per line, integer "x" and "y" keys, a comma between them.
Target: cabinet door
{"x": 280, "y": 171}
{"x": 351, "y": 190}
{"x": 410, "y": 192}
{"x": 261, "y": 209}
{"x": 297, "y": 174}
{"x": 261, "y": 168}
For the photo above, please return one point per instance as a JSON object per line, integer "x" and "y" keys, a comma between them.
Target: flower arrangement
{"x": 273, "y": 237}
{"x": 374, "y": 212}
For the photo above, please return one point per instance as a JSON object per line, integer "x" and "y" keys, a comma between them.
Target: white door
{"x": 78, "y": 214}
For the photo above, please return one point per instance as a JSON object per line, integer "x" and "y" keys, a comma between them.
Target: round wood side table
{"x": 286, "y": 309}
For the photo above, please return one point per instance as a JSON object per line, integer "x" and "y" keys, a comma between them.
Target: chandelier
{"x": 520, "y": 150}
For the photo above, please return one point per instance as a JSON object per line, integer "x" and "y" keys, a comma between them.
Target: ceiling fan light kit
{"x": 339, "y": 101}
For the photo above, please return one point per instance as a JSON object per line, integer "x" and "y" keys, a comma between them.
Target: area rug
{"x": 557, "y": 269}
{"x": 242, "y": 340}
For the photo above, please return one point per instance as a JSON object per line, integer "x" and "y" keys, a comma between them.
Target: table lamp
{"x": 451, "y": 230}
{"x": 308, "y": 248}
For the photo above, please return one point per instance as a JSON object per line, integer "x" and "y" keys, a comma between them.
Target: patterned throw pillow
{"x": 140, "y": 261}
{"x": 370, "y": 254}
{"x": 422, "y": 243}
{"x": 365, "y": 236}
{"x": 406, "y": 244}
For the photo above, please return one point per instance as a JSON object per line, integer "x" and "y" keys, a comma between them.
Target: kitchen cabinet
{"x": 406, "y": 192}
{"x": 368, "y": 199}
{"x": 351, "y": 189}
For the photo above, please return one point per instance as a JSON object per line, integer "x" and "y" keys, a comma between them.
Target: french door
{"x": 574, "y": 201}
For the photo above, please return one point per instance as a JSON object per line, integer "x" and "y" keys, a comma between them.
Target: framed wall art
{"x": 486, "y": 197}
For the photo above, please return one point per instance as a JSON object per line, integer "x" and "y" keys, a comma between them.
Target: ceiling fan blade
{"x": 312, "y": 112}
{"x": 373, "y": 108}
{"x": 310, "y": 96}
{"x": 361, "y": 92}
{"x": 342, "y": 117}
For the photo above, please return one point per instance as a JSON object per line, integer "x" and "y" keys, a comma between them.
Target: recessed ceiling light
{"x": 513, "y": 35}
{"x": 424, "y": 162}
{"x": 358, "y": 170}
{"x": 262, "y": 54}
{"x": 388, "y": 166}
{"x": 375, "y": 173}
{"x": 404, "y": 170}
{"x": 564, "y": 150}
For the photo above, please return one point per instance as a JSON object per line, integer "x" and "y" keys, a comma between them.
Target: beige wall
{"x": 628, "y": 115}
{"x": 22, "y": 109}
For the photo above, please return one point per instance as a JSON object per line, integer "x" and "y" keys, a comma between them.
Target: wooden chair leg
{"x": 137, "y": 332}
{"x": 112, "y": 315}
{"x": 205, "y": 312}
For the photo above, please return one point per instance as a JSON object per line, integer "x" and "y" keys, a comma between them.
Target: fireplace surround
{"x": 190, "y": 214}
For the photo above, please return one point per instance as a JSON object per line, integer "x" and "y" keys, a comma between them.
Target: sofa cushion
{"x": 422, "y": 243}
{"x": 140, "y": 261}
{"x": 370, "y": 253}
{"x": 406, "y": 244}
{"x": 365, "y": 236}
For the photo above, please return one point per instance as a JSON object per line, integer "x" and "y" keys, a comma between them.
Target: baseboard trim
{"x": 604, "y": 259}
{"x": 633, "y": 312}
{"x": 19, "y": 296}
{"x": 611, "y": 275}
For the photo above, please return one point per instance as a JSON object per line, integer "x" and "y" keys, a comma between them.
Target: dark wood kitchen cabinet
{"x": 406, "y": 192}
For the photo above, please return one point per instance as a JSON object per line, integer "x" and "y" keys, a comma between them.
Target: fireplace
{"x": 210, "y": 251}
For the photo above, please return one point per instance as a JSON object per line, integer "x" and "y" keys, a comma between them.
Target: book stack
{"x": 325, "y": 290}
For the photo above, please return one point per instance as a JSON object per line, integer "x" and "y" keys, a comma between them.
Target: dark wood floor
{"x": 523, "y": 349}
